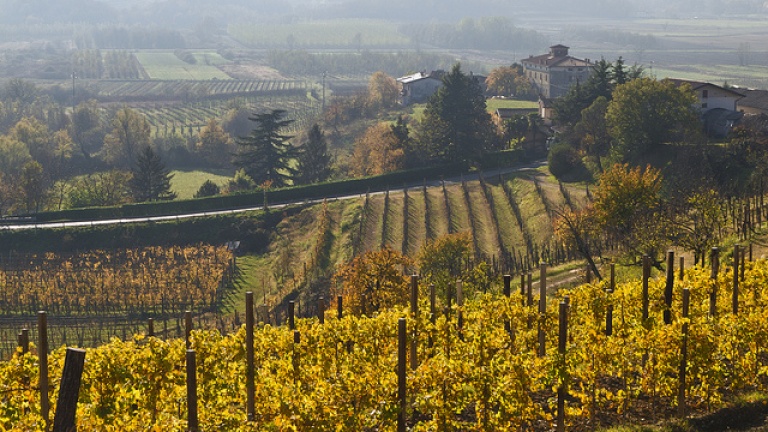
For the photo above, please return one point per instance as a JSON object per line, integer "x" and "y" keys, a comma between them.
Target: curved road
{"x": 94, "y": 223}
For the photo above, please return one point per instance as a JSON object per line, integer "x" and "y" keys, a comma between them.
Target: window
{"x": 704, "y": 105}
{"x": 704, "y": 94}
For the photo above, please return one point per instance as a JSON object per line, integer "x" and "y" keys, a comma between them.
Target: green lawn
{"x": 166, "y": 66}
{"x": 186, "y": 183}
{"x": 494, "y": 104}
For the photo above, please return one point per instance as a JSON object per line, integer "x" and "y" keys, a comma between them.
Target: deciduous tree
{"x": 508, "y": 81}
{"x": 378, "y": 151}
{"x": 32, "y": 186}
{"x": 645, "y": 113}
{"x": 592, "y": 131}
{"x": 442, "y": 261}
{"x": 628, "y": 207}
{"x": 106, "y": 188}
{"x": 373, "y": 281}
{"x": 86, "y": 128}
{"x": 383, "y": 92}
{"x": 215, "y": 145}
{"x": 130, "y": 134}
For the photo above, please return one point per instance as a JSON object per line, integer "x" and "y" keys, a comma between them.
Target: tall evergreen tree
{"x": 314, "y": 160}
{"x": 265, "y": 154}
{"x": 456, "y": 126}
{"x": 150, "y": 179}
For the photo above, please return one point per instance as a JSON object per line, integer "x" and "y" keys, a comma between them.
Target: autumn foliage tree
{"x": 379, "y": 150}
{"x": 214, "y": 144}
{"x": 373, "y": 281}
{"x": 509, "y": 81}
{"x": 443, "y": 260}
{"x": 383, "y": 92}
{"x": 628, "y": 206}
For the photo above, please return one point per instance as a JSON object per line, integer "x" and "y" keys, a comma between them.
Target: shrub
{"x": 564, "y": 162}
{"x": 208, "y": 189}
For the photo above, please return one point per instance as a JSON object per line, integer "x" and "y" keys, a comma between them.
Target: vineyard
{"x": 147, "y": 89}
{"x": 188, "y": 119}
{"x": 508, "y": 359}
{"x": 112, "y": 289}
{"x": 509, "y": 218}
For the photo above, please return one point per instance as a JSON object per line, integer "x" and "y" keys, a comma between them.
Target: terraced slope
{"x": 507, "y": 216}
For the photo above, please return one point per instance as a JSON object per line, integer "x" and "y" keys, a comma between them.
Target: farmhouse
{"x": 421, "y": 86}
{"x": 717, "y": 105}
{"x": 418, "y": 87}
{"x": 554, "y": 73}
{"x": 754, "y": 102}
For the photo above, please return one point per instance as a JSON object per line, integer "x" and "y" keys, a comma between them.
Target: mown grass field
{"x": 493, "y": 104}
{"x": 166, "y": 66}
{"x": 186, "y": 183}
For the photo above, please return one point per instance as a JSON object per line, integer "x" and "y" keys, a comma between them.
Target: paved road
{"x": 433, "y": 183}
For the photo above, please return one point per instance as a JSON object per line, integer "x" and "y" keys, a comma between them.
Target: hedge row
{"x": 279, "y": 196}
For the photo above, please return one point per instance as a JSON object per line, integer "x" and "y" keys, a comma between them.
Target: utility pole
{"x": 324, "y": 74}
{"x": 73, "y": 92}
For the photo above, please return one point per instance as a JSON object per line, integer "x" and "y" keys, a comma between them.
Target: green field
{"x": 494, "y": 104}
{"x": 332, "y": 33}
{"x": 166, "y": 66}
{"x": 186, "y": 183}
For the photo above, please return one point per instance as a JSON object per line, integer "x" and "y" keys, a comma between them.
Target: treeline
{"x": 130, "y": 37}
{"x": 614, "y": 36}
{"x": 496, "y": 33}
{"x": 366, "y": 62}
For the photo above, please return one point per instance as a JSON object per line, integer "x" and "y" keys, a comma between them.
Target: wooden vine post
{"x": 250, "y": 387}
{"x": 150, "y": 327}
{"x": 507, "y": 294}
{"x": 292, "y": 315}
{"x": 415, "y": 315}
{"x": 668, "y": 288}
{"x": 460, "y": 309}
{"x": 192, "y": 423}
{"x": 401, "y": 360}
{"x": 562, "y": 389}
{"x": 682, "y": 269}
{"x": 542, "y": 308}
{"x": 187, "y": 327}
{"x": 42, "y": 354}
{"x": 24, "y": 340}
{"x": 681, "y": 404}
{"x": 735, "y": 294}
{"x": 66, "y": 406}
{"x": 530, "y": 289}
{"x": 646, "y": 276}
{"x": 609, "y": 320}
{"x": 339, "y": 308}
{"x": 432, "y": 311}
{"x": 715, "y": 263}
{"x": 321, "y": 310}
{"x": 613, "y": 278}
{"x": 296, "y": 355}
{"x": 522, "y": 287}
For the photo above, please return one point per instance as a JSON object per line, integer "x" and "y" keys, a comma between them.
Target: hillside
{"x": 509, "y": 218}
